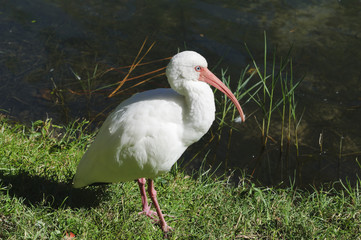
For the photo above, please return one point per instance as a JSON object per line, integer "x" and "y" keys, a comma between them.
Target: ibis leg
{"x": 146, "y": 207}
{"x": 153, "y": 196}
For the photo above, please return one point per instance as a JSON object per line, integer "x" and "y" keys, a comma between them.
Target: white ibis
{"x": 147, "y": 133}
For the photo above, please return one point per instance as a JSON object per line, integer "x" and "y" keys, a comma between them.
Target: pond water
{"x": 49, "y": 50}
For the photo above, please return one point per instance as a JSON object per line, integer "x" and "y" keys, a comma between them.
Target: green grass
{"x": 37, "y": 202}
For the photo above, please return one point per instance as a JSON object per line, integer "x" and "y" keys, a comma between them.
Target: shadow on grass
{"x": 36, "y": 190}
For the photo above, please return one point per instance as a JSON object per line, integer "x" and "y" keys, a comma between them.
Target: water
{"x": 49, "y": 49}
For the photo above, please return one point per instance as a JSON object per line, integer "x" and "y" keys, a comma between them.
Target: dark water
{"x": 49, "y": 50}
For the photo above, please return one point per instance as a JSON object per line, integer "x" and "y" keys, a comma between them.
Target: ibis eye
{"x": 198, "y": 68}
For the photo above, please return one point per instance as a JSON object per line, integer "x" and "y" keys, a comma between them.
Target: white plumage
{"x": 147, "y": 133}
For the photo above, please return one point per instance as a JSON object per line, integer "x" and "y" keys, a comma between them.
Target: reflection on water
{"x": 50, "y": 48}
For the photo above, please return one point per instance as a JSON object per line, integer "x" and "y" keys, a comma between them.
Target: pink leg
{"x": 153, "y": 196}
{"x": 146, "y": 207}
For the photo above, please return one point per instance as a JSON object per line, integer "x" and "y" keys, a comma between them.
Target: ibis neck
{"x": 200, "y": 112}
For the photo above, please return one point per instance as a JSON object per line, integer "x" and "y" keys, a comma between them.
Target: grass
{"x": 37, "y": 202}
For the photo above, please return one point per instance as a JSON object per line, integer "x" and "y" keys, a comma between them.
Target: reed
{"x": 270, "y": 87}
{"x": 276, "y": 78}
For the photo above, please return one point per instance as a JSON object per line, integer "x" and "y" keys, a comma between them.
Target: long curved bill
{"x": 208, "y": 77}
